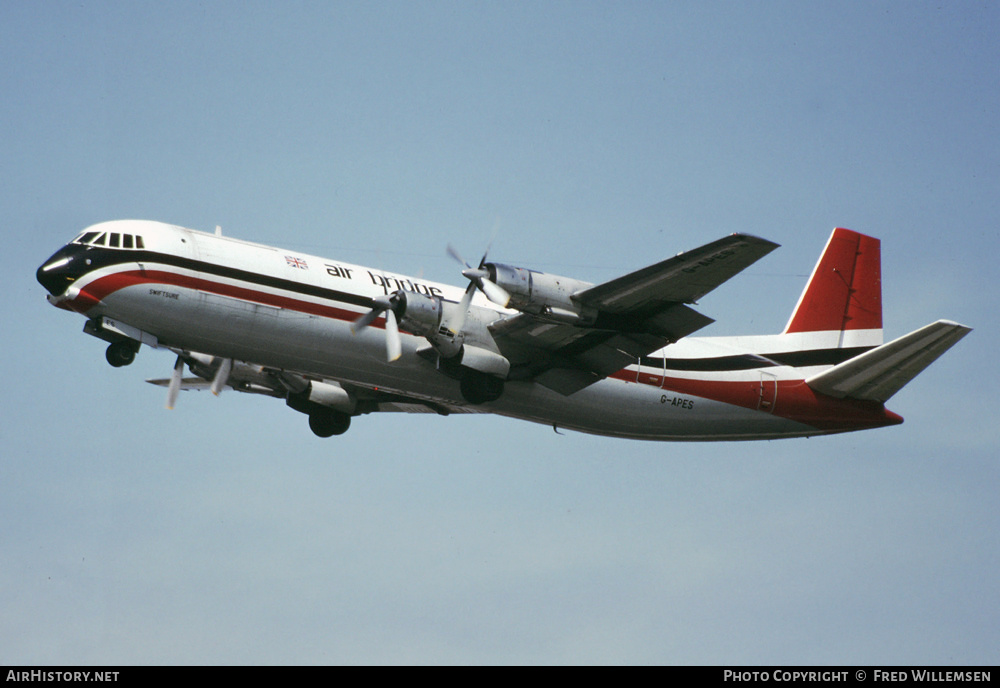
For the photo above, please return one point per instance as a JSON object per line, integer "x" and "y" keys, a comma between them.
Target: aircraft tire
{"x": 479, "y": 388}
{"x": 327, "y": 422}
{"x": 120, "y": 354}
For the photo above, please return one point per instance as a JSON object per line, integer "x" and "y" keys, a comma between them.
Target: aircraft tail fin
{"x": 841, "y": 305}
{"x": 881, "y": 372}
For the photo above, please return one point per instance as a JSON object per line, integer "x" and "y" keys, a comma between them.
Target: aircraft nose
{"x": 59, "y": 271}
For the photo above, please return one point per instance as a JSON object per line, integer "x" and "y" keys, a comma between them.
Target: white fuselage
{"x": 286, "y": 310}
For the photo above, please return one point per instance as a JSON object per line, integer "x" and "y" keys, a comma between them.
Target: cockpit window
{"x": 111, "y": 239}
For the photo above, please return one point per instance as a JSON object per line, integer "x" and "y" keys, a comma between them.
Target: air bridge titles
{"x": 387, "y": 283}
{"x": 391, "y": 284}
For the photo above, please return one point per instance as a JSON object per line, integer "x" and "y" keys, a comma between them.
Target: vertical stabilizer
{"x": 842, "y": 303}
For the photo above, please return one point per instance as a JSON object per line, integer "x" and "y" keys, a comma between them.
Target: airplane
{"x": 336, "y": 341}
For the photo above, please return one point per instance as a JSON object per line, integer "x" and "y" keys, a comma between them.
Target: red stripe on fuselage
{"x": 794, "y": 400}
{"x": 99, "y": 289}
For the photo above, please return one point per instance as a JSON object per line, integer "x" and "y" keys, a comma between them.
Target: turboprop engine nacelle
{"x": 541, "y": 294}
{"x": 419, "y": 313}
{"x": 331, "y": 395}
{"x": 428, "y": 316}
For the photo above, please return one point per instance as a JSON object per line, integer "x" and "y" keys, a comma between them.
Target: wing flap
{"x": 567, "y": 358}
{"x": 881, "y": 372}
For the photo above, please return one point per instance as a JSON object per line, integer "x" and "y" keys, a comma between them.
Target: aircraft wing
{"x": 188, "y": 384}
{"x": 685, "y": 278}
{"x": 633, "y": 316}
{"x": 381, "y": 401}
{"x": 252, "y": 379}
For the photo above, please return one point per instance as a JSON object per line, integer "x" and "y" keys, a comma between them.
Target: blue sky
{"x": 600, "y": 137}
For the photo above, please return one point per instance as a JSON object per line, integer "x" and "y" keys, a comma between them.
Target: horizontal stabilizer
{"x": 881, "y": 372}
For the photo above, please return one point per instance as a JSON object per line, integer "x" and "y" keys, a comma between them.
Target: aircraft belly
{"x": 620, "y": 409}
{"x": 165, "y": 311}
{"x": 279, "y": 338}
{"x": 323, "y": 346}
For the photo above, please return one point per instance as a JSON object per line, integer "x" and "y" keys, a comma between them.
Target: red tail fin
{"x": 845, "y": 290}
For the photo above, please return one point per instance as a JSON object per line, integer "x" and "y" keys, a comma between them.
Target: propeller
{"x": 458, "y": 321}
{"x": 380, "y": 305}
{"x": 222, "y": 376}
{"x": 175, "y": 382}
{"x": 480, "y": 277}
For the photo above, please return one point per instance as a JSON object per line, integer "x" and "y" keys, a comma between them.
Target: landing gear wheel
{"x": 120, "y": 354}
{"x": 327, "y": 422}
{"x": 479, "y": 388}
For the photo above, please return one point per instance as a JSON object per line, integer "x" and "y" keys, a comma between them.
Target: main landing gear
{"x": 323, "y": 420}
{"x": 326, "y": 422}
{"x": 121, "y": 353}
{"x": 479, "y": 388}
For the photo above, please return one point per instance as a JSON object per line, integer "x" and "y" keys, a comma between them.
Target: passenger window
{"x": 126, "y": 241}
{"x": 114, "y": 240}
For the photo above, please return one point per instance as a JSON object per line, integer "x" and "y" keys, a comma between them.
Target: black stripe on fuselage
{"x": 793, "y": 359}
{"x": 103, "y": 257}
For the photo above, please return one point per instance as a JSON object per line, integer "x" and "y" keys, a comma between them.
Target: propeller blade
{"x": 365, "y": 320}
{"x": 379, "y": 304}
{"x": 480, "y": 276}
{"x": 222, "y": 376}
{"x": 175, "y": 382}
{"x": 453, "y": 252}
{"x": 458, "y": 322}
{"x": 489, "y": 246}
{"x": 393, "y": 345}
{"x": 494, "y": 293}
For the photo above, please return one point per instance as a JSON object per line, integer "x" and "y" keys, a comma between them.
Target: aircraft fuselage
{"x": 286, "y": 311}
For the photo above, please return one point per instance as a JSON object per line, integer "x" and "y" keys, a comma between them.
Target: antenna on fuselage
{"x": 218, "y": 230}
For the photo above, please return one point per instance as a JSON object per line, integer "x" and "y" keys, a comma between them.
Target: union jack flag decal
{"x": 296, "y": 262}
